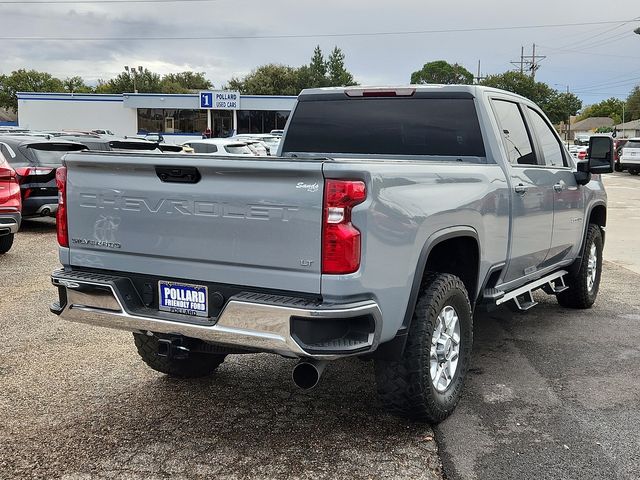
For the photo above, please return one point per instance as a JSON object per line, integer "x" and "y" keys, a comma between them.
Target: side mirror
{"x": 600, "y": 154}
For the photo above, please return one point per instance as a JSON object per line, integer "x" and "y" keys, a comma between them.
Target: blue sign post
{"x": 206, "y": 99}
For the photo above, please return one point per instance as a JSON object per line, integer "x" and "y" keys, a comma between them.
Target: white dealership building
{"x": 179, "y": 117}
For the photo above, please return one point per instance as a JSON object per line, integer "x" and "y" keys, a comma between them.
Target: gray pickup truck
{"x": 387, "y": 218}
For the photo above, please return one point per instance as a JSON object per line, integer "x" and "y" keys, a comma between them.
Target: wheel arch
{"x": 432, "y": 256}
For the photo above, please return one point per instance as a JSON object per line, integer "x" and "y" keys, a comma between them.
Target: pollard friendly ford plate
{"x": 183, "y": 298}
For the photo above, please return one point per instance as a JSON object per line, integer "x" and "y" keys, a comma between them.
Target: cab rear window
{"x": 387, "y": 126}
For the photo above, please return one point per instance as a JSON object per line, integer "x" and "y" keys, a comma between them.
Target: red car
{"x": 10, "y": 205}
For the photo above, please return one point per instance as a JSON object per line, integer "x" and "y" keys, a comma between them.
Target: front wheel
{"x": 585, "y": 282}
{"x": 426, "y": 382}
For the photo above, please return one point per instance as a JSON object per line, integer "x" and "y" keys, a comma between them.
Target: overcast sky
{"x": 595, "y": 61}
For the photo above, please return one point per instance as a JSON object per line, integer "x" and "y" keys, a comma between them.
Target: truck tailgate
{"x": 252, "y": 222}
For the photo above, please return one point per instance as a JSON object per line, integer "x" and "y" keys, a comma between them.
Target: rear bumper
{"x": 39, "y": 206}
{"x": 9, "y": 223}
{"x": 628, "y": 163}
{"x": 249, "y": 321}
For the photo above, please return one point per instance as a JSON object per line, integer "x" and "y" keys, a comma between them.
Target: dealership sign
{"x": 220, "y": 100}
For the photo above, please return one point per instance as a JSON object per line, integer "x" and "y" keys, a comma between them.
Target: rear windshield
{"x": 52, "y": 153}
{"x": 632, "y": 144}
{"x": 387, "y": 126}
{"x": 238, "y": 150}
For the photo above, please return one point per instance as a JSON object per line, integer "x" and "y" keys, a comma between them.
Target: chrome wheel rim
{"x": 445, "y": 348}
{"x": 592, "y": 267}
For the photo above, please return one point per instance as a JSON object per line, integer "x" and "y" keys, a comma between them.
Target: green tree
{"x": 25, "y": 81}
{"x": 76, "y": 85}
{"x": 318, "y": 69}
{"x": 145, "y": 82}
{"x": 184, "y": 82}
{"x": 612, "y": 108}
{"x": 521, "y": 84}
{"x": 339, "y": 76}
{"x": 441, "y": 71}
{"x": 560, "y": 106}
{"x": 633, "y": 105}
{"x": 270, "y": 79}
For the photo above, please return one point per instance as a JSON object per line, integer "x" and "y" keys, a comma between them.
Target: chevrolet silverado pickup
{"x": 387, "y": 218}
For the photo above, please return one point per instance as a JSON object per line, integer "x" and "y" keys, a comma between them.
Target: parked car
{"x": 272, "y": 142}
{"x": 377, "y": 234}
{"x": 35, "y": 161}
{"x": 257, "y": 147}
{"x": 630, "y": 157}
{"x": 581, "y": 139}
{"x": 111, "y": 144}
{"x": 219, "y": 146}
{"x": 617, "y": 146}
{"x": 10, "y": 205}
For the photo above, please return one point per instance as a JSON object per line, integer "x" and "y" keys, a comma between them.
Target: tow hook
{"x": 172, "y": 348}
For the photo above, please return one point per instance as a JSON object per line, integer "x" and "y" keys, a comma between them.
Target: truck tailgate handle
{"x": 178, "y": 174}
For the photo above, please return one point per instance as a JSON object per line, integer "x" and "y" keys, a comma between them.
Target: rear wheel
{"x": 426, "y": 382}
{"x": 634, "y": 172}
{"x": 194, "y": 365}
{"x": 6, "y": 241}
{"x": 585, "y": 282}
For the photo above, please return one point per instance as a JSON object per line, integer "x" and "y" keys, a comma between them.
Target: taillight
{"x": 61, "y": 214}
{"x": 340, "y": 239}
{"x": 582, "y": 155}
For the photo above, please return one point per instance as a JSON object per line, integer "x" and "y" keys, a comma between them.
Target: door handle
{"x": 521, "y": 189}
{"x": 558, "y": 187}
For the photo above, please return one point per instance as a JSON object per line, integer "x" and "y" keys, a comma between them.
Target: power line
{"x": 318, "y": 35}
{"x": 570, "y": 50}
{"x": 67, "y": 2}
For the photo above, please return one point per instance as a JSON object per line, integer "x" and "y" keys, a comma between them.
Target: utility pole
{"x": 529, "y": 62}
{"x": 521, "y": 62}
{"x": 479, "y": 77}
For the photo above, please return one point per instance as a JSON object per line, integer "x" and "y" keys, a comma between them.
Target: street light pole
{"x": 133, "y": 72}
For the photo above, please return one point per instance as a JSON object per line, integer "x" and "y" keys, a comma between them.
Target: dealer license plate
{"x": 183, "y": 298}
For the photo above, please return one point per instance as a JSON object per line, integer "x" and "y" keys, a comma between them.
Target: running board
{"x": 552, "y": 284}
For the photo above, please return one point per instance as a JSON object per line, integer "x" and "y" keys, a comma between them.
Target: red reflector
{"x": 340, "y": 239}
{"x": 61, "y": 214}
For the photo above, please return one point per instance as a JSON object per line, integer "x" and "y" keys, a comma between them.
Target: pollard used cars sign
{"x": 220, "y": 100}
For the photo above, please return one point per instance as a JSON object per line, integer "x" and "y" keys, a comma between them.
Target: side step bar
{"x": 551, "y": 284}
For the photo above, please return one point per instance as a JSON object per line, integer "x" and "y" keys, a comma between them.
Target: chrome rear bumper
{"x": 243, "y": 322}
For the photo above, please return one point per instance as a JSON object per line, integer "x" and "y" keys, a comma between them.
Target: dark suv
{"x": 35, "y": 160}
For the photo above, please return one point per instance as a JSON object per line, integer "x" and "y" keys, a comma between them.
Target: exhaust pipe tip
{"x": 306, "y": 374}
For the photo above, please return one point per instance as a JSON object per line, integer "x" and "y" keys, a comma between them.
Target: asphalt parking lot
{"x": 555, "y": 393}
{"x": 552, "y": 394}
{"x": 76, "y": 402}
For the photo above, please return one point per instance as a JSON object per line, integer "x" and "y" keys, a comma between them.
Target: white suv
{"x": 630, "y": 156}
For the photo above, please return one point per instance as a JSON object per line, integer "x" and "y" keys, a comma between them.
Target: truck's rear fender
{"x": 411, "y": 207}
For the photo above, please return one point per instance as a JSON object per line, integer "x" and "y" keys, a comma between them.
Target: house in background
{"x": 628, "y": 129}
{"x": 588, "y": 126}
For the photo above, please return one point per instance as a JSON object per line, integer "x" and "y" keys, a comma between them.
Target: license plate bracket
{"x": 183, "y": 298}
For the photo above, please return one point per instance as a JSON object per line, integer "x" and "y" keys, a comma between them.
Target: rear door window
{"x": 514, "y": 133}
{"x": 549, "y": 143}
{"x": 632, "y": 144}
{"x": 387, "y": 126}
